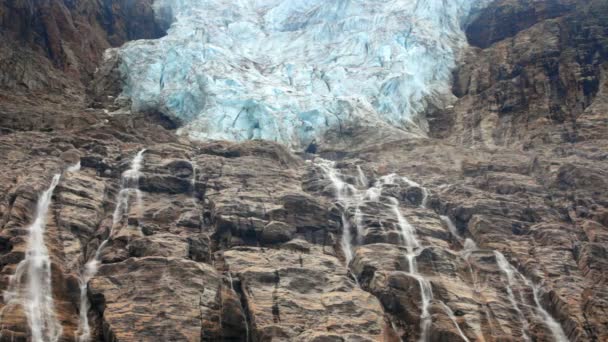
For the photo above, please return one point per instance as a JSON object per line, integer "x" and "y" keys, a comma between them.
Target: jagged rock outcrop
{"x": 539, "y": 85}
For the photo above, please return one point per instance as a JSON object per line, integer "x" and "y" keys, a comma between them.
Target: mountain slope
{"x": 493, "y": 229}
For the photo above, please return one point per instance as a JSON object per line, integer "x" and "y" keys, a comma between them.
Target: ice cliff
{"x": 287, "y": 70}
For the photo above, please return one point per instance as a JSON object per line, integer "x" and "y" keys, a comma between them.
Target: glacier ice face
{"x": 288, "y": 70}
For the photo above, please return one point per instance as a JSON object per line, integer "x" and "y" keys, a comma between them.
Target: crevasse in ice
{"x": 288, "y": 70}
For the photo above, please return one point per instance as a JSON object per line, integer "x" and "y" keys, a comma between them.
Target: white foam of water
{"x": 37, "y": 296}
{"x": 451, "y": 227}
{"x": 349, "y": 196}
{"x": 410, "y": 241}
{"x": 129, "y": 183}
{"x": 74, "y": 168}
{"x": 362, "y": 179}
{"x": 555, "y": 328}
{"x": 508, "y": 271}
{"x": 342, "y": 196}
{"x": 193, "y": 181}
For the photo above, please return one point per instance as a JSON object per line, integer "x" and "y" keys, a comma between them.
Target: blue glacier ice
{"x": 289, "y": 70}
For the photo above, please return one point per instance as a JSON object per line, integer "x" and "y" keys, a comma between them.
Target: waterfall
{"x": 36, "y": 297}
{"x": 129, "y": 183}
{"x": 554, "y": 327}
{"x": 451, "y": 227}
{"x": 507, "y": 269}
{"x": 411, "y": 243}
{"x": 193, "y": 181}
{"x": 344, "y": 194}
{"x": 349, "y": 196}
{"x": 74, "y": 168}
{"x": 452, "y": 317}
{"x": 345, "y": 242}
{"x": 362, "y": 179}
{"x": 425, "y": 197}
{"x": 231, "y": 280}
{"x": 469, "y": 247}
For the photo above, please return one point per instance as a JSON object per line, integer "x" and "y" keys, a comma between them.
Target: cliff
{"x": 494, "y": 228}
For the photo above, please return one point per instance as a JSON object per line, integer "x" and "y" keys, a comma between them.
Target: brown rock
{"x": 165, "y": 298}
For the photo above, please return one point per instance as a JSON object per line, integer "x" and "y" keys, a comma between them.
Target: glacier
{"x": 289, "y": 70}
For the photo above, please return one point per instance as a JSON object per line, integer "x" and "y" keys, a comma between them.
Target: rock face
{"x": 251, "y": 241}
{"x": 55, "y": 46}
{"x": 543, "y": 84}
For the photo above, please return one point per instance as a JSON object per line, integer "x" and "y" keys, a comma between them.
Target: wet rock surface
{"x": 245, "y": 241}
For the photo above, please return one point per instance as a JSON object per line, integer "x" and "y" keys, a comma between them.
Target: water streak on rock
{"x": 129, "y": 183}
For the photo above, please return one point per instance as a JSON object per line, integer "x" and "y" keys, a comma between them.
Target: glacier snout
{"x": 288, "y": 70}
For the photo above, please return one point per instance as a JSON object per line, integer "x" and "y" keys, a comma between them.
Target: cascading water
{"x": 511, "y": 272}
{"x": 36, "y": 297}
{"x": 362, "y": 179}
{"x": 231, "y": 280}
{"x": 554, "y": 327}
{"x": 413, "y": 246}
{"x": 129, "y": 184}
{"x": 74, "y": 168}
{"x": 452, "y": 317}
{"x": 346, "y": 195}
{"x": 469, "y": 247}
{"x": 351, "y": 197}
{"x": 508, "y": 271}
{"x": 193, "y": 181}
{"x": 451, "y": 227}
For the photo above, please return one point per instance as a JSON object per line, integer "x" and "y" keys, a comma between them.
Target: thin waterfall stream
{"x": 413, "y": 246}
{"x": 350, "y": 197}
{"x": 512, "y": 272}
{"x": 555, "y": 328}
{"x": 507, "y": 270}
{"x": 36, "y": 295}
{"x": 452, "y": 317}
{"x": 193, "y": 182}
{"x": 345, "y": 195}
{"x": 231, "y": 280}
{"x": 129, "y": 183}
{"x": 353, "y": 197}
